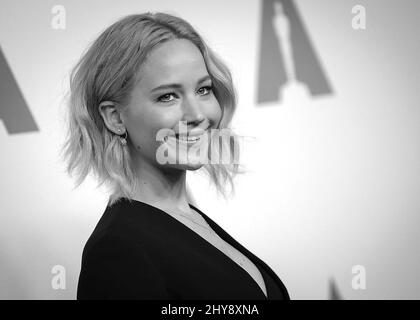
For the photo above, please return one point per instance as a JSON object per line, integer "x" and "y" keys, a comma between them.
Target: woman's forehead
{"x": 174, "y": 61}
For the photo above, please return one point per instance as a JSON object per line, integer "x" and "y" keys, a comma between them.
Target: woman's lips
{"x": 187, "y": 138}
{"x": 183, "y": 139}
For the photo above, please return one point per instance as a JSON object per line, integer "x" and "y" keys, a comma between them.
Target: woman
{"x": 144, "y": 74}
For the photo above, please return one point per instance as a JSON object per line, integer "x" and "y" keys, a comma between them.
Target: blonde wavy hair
{"x": 108, "y": 71}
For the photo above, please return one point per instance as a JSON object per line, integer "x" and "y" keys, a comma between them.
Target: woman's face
{"x": 174, "y": 92}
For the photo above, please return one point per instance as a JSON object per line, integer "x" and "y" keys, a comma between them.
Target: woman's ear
{"x": 111, "y": 116}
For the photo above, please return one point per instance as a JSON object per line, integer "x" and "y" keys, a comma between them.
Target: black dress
{"x": 138, "y": 251}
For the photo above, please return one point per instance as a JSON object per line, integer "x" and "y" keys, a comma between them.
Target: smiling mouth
{"x": 184, "y": 138}
{"x": 188, "y": 137}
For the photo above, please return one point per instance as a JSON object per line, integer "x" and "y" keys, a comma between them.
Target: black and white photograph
{"x": 227, "y": 150}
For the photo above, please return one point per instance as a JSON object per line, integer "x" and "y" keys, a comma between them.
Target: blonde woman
{"x": 144, "y": 74}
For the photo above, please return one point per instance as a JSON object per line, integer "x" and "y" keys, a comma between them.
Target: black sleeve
{"x": 115, "y": 268}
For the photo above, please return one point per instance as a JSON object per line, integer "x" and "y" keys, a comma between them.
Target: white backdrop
{"x": 333, "y": 180}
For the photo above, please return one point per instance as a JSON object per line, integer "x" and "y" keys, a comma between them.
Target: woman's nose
{"x": 192, "y": 112}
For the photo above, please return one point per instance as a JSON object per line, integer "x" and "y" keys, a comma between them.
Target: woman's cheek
{"x": 217, "y": 113}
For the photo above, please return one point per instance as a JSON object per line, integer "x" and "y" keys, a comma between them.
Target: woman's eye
{"x": 166, "y": 97}
{"x": 208, "y": 88}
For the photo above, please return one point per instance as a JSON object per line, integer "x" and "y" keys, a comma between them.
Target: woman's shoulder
{"x": 125, "y": 223}
{"x": 112, "y": 266}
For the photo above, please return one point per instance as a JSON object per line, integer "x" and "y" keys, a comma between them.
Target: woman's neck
{"x": 165, "y": 188}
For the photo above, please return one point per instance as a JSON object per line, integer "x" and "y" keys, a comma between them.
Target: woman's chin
{"x": 191, "y": 166}
{"x": 191, "y": 161}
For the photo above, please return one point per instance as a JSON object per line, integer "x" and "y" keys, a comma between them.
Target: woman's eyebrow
{"x": 177, "y": 85}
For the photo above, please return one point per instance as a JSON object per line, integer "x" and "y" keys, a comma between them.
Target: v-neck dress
{"x": 138, "y": 251}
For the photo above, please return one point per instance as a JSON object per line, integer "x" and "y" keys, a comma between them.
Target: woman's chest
{"x": 232, "y": 253}
{"x": 199, "y": 265}
{"x": 240, "y": 259}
